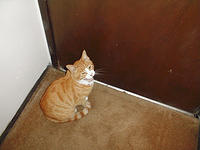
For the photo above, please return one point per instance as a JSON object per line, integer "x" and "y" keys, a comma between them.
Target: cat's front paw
{"x": 75, "y": 110}
{"x": 86, "y": 98}
{"x": 88, "y": 105}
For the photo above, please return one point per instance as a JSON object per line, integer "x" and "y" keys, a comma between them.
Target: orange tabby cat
{"x": 59, "y": 102}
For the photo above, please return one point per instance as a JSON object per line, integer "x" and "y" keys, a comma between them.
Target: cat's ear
{"x": 70, "y": 68}
{"x": 84, "y": 56}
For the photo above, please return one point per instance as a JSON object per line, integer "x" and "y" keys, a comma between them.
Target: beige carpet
{"x": 117, "y": 121}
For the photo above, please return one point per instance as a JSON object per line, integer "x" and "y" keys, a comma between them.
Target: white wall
{"x": 23, "y": 54}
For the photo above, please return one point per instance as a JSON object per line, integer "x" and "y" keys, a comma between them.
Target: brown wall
{"x": 151, "y": 48}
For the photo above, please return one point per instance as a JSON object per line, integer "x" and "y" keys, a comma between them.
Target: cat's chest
{"x": 86, "y": 82}
{"x": 84, "y": 91}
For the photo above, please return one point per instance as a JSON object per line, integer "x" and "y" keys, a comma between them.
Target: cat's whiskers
{"x": 99, "y": 71}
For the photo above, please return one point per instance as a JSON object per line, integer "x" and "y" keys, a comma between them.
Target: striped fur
{"x": 61, "y": 98}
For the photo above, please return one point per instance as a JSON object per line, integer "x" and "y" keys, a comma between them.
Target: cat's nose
{"x": 91, "y": 74}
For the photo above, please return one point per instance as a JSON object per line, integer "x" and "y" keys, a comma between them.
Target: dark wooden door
{"x": 151, "y": 48}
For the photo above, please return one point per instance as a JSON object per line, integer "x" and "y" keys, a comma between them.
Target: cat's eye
{"x": 90, "y": 67}
{"x": 83, "y": 73}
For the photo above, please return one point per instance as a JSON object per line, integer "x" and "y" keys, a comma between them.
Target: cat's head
{"x": 82, "y": 70}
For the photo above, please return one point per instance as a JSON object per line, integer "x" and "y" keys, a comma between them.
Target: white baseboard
{"x": 145, "y": 98}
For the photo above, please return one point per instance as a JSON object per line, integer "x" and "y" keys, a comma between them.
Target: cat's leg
{"x": 87, "y": 103}
{"x": 86, "y": 98}
{"x": 84, "y": 102}
{"x": 75, "y": 110}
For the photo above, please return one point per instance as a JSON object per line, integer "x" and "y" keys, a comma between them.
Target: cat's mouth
{"x": 89, "y": 80}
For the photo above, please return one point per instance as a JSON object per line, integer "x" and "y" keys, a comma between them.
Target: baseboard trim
{"x": 21, "y": 108}
{"x": 145, "y": 98}
{"x": 142, "y": 97}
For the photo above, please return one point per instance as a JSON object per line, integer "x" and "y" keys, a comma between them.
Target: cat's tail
{"x": 79, "y": 115}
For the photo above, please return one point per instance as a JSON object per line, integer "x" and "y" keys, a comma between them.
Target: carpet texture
{"x": 117, "y": 121}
